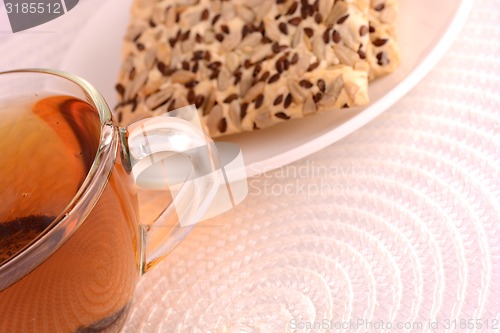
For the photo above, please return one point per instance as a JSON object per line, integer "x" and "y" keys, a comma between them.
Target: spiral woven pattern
{"x": 397, "y": 223}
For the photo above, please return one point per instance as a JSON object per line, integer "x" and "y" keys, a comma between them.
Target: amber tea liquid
{"x": 47, "y": 147}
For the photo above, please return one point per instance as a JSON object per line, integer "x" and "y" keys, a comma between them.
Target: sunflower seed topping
{"x": 248, "y": 65}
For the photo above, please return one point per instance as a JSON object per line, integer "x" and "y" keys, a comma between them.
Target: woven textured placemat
{"x": 397, "y": 223}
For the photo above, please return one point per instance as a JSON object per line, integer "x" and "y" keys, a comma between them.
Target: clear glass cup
{"x": 72, "y": 245}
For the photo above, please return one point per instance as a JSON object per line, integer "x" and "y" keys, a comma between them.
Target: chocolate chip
{"x": 164, "y": 69}
{"x": 222, "y": 126}
{"x": 310, "y": 10}
{"x": 219, "y": 37}
{"x": 274, "y": 78}
{"x": 317, "y": 97}
{"x": 283, "y": 28}
{"x": 280, "y": 66}
{"x": 137, "y": 37}
{"x": 321, "y": 85}
{"x": 231, "y": 98}
{"x": 195, "y": 67}
{"x": 265, "y": 76}
{"x": 309, "y": 32}
{"x": 191, "y": 96}
{"x": 214, "y": 75}
{"x": 259, "y": 101}
{"x": 237, "y": 77}
{"x": 286, "y": 64}
{"x": 326, "y": 36}
{"x": 295, "y": 21}
{"x": 282, "y": 115}
{"x": 295, "y": 59}
{"x": 161, "y": 104}
{"x": 200, "y": 99}
{"x": 140, "y": 47}
{"x": 205, "y": 14}
{"x": 120, "y": 89}
{"x": 278, "y": 100}
{"x": 303, "y": 12}
{"x": 342, "y": 19}
{"x": 256, "y": 70}
{"x": 205, "y": 110}
{"x": 276, "y": 47}
{"x": 362, "y": 54}
{"x": 224, "y": 28}
{"x": 318, "y": 18}
{"x": 191, "y": 84}
{"x": 243, "y": 110}
{"x": 131, "y": 75}
{"x": 380, "y": 7}
{"x": 134, "y": 104}
{"x": 305, "y": 84}
{"x": 171, "y": 106}
{"x": 379, "y": 41}
{"x": 185, "y": 36}
{"x": 261, "y": 28}
{"x": 215, "y": 65}
{"x": 288, "y": 101}
{"x": 266, "y": 40}
{"x": 292, "y": 9}
{"x": 363, "y": 30}
{"x": 336, "y": 36}
{"x": 215, "y": 19}
{"x": 382, "y": 59}
{"x": 198, "y": 55}
{"x": 313, "y": 66}
{"x": 245, "y": 31}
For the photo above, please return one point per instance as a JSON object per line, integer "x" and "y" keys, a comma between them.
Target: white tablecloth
{"x": 397, "y": 224}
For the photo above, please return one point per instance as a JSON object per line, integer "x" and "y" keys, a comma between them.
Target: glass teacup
{"x": 71, "y": 245}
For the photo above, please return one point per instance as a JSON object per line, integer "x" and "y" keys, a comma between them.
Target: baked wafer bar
{"x": 383, "y": 51}
{"x": 245, "y": 64}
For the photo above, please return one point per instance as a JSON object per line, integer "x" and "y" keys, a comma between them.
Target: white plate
{"x": 426, "y": 30}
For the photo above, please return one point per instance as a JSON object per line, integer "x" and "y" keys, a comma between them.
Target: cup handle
{"x": 189, "y": 163}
